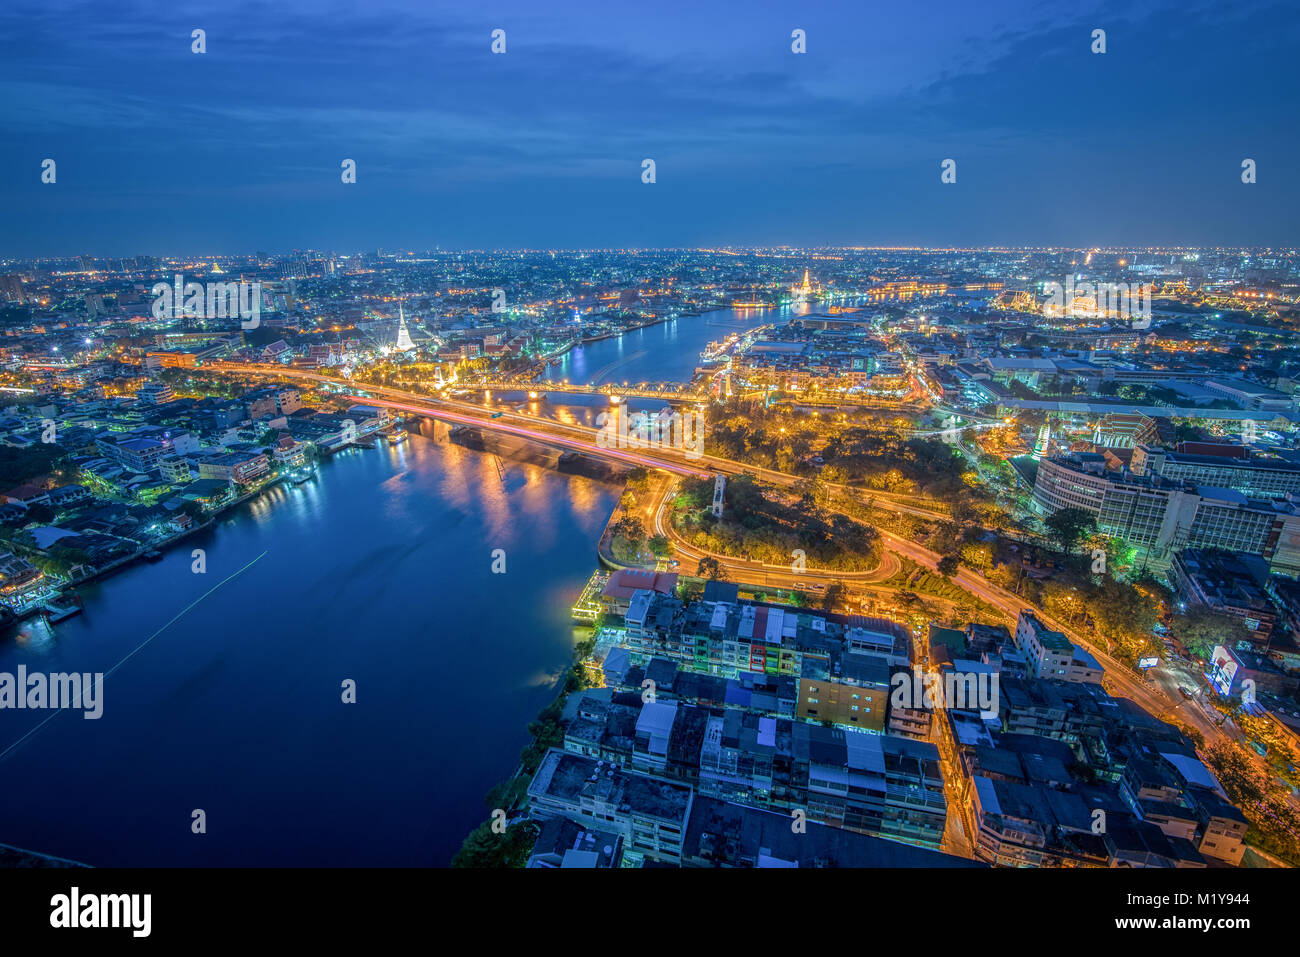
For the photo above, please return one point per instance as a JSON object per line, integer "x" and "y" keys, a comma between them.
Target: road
{"x": 583, "y": 438}
{"x": 549, "y": 431}
{"x": 1121, "y": 677}
{"x": 747, "y": 572}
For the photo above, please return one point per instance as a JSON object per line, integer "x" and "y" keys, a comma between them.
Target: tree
{"x": 1125, "y": 615}
{"x": 193, "y": 509}
{"x": 1071, "y": 525}
{"x": 18, "y": 466}
{"x": 947, "y": 566}
{"x": 709, "y": 568}
{"x": 945, "y": 538}
{"x": 631, "y": 529}
{"x": 484, "y": 848}
{"x": 963, "y": 512}
{"x": 978, "y": 555}
{"x": 834, "y": 596}
{"x": 1200, "y": 629}
{"x": 40, "y": 514}
{"x": 659, "y": 545}
{"x": 638, "y": 479}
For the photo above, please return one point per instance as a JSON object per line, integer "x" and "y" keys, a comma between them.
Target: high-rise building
{"x": 1162, "y": 516}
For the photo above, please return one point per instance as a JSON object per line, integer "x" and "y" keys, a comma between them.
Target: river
{"x": 667, "y": 352}
{"x": 227, "y": 696}
{"x": 378, "y": 571}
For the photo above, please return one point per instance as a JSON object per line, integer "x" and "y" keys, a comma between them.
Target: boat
{"x": 153, "y": 555}
{"x": 718, "y": 351}
{"x": 300, "y": 475}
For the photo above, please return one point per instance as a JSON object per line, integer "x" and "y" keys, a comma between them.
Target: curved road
{"x": 583, "y": 438}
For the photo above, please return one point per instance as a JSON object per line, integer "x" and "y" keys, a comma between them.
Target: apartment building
{"x": 874, "y": 784}
{"x": 649, "y": 814}
{"x": 135, "y": 450}
{"x": 856, "y": 693}
{"x": 1231, "y": 466}
{"x": 1162, "y": 517}
{"x": 272, "y": 401}
{"x": 1229, "y": 584}
{"x": 238, "y": 467}
{"x": 731, "y": 637}
{"x": 1051, "y": 655}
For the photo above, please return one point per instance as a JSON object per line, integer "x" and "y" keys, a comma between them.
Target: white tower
{"x": 404, "y": 342}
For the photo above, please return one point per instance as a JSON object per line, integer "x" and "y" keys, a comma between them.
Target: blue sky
{"x": 163, "y": 151}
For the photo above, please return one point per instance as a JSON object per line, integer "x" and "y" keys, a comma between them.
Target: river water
{"x": 668, "y": 352}
{"x": 227, "y": 693}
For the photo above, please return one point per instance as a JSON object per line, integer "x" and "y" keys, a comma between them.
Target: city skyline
{"x": 611, "y": 437}
{"x": 916, "y": 517}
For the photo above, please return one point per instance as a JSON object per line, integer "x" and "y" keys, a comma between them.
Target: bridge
{"x": 641, "y": 390}
{"x": 579, "y": 438}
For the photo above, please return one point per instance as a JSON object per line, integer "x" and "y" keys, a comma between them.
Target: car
{"x": 1185, "y": 693}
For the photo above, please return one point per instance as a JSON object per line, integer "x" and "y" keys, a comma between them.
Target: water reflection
{"x": 378, "y": 569}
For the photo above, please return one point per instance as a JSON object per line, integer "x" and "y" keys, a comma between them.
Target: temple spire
{"x": 403, "y": 334}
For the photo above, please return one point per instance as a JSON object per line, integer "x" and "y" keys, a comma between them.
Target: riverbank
{"x": 161, "y": 546}
{"x": 671, "y": 354}
{"x": 543, "y": 362}
{"x": 21, "y": 857}
{"x": 379, "y": 571}
{"x": 628, "y": 507}
{"x": 66, "y": 591}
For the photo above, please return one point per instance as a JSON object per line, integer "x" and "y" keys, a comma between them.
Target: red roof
{"x": 625, "y": 581}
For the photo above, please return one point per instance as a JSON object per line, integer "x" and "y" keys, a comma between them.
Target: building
{"x": 289, "y": 452}
{"x": 135, "y": 450}
{"x": 853, "y": 690}
{"x": 1125, "y": 430}
{"x": 564, "y": 844}
{"x": 648, "y": 814}
{"x": 239, "y": 467}
{"x": 728, "y": 638}
{"x": 272, "y": 401}
{"x": 1230, "y": 466}
{"x": 1051, "y": 655}
{"x": 626, "y": 582}
{"x": 18, "y": 576}
{"x": 1161, "y": 517}
{"x": 155, "y": 392}
{"x": 871, "y": 783}
{"x": 1229, "y": 584}
{"x": 175, "y": 469}
{"x": 1229, "y": 670}
{"x": 726, "y": 834}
